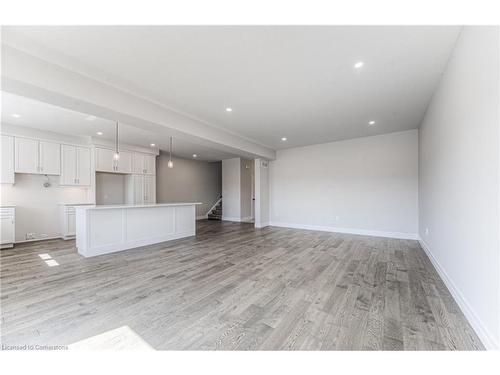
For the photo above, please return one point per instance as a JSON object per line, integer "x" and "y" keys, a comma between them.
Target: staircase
{"x": 216, "y": 213}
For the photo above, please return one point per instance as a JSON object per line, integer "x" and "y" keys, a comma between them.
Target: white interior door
{"x": 26, "y": 155}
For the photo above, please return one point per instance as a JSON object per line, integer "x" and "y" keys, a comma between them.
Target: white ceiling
{"x": 293, "y": 81}
{"x": 41, "y": 116}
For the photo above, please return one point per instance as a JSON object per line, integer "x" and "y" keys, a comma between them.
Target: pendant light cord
{"x": 170, "y": 149}
{"x": 116, "y": 138}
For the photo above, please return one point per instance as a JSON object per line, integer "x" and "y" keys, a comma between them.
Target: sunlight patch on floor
{"x": 122, "y": 338}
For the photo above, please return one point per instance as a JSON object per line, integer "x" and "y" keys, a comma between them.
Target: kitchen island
{"x": 104, "y": 229}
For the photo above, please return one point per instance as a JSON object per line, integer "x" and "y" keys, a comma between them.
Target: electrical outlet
{"x": 43, "y": 235}
{"x": 30, "y": 236}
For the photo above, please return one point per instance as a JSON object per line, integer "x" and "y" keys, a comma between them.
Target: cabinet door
{"x": 26, "y": 155}
{"x": 150, "y": 164}
{"x": 139, "y": 189}
{"x": 68, "y": 165}
{"x": 125, "y": 162}
{"x": 138, "y": 163}
{"x": 7, "y": 173}
{"x": 149, "y": 189}
{"x": 50, "y": 158}
{"x": 83, "y": 166}
{"x": 104, "y": 161}
{"x": 7, "y": 229}
{"x": 71, "y": 223}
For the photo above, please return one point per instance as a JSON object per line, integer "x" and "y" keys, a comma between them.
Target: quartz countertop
{"x": 117, "y": 206}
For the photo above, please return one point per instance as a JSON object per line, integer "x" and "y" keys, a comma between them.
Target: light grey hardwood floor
{"x": 233, "y": 287}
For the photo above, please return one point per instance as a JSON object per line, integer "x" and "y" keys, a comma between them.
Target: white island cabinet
{"x": 108, "y": 229}
{"x": 8, "y": 226}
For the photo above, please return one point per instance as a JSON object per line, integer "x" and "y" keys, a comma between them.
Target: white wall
{"x": 261, "y": 193}
{"x": 459, "y": 202}
{"x": 231, "y": 189}
{"x": 189, "y": 181}
{"x": 37, "y": 209}
{"x": 365, "y": 185}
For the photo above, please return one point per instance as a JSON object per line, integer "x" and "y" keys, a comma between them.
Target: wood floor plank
{"x": 234, "y": 287}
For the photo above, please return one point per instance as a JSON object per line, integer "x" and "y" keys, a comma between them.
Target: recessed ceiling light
{"x": 359, "y": 64}
{"x": 283, "y": 139}
{"x": 15, "y": 115}
{"x": 90, "y": 118}
{"x": 195, "y": 156}
{"x": 99, "y": 133}
{"x": 372, "y": 122}
{"x": 229, "y": 109}
{"x": 152, "y": 144}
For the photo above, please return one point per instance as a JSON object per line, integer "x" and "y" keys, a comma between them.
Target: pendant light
{"x": 170, "y": 163}
{"x": 116, "y": 156}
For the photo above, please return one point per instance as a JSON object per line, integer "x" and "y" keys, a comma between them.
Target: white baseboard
{"x": 363, "y": 232}
{"x": 238, "y": 219}
{"x": 229, "y": 218}
{"x": 39, "y": 239}
{"x": 262, "y": 225}
{"x": 484, "y": 335}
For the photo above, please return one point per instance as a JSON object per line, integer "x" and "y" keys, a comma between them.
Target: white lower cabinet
{"x": 67, "y": 220}
{"x": 140, "y": 189}
{"x": 8, "y": 226}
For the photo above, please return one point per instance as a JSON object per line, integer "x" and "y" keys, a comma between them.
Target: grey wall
{"x": 364, "y": 185}
{"x": 110, "y": 188}
{"x": 458, "y": 179}
{"x": 189, "y": 181}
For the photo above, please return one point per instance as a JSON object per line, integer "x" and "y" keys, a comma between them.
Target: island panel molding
{"x": 108, "y": 229}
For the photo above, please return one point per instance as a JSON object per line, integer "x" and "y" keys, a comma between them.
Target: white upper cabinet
{"x": 150, "y": 164}
{"x": 106, "y": 163}
{"x": 75, "y": 163}
{"x": 7, "y": 173}
{"x": 38, "y": 157}
{"x": 26, "y": 155}
{"x": 49, "y": 158}
{"x": 144, "y": 163}
{"x": 138, "y": 163}
{"x": 83, "y": 168}
{"x": 124, "y": 164}
{"x": 68, "y": 165}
